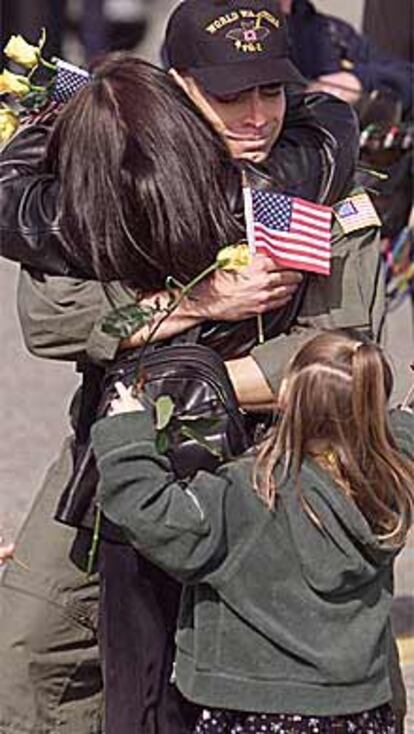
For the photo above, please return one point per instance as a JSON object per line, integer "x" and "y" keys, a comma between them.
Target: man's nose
{"x": 256, "y": 109}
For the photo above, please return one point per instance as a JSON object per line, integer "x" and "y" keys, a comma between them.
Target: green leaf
{"x": 164, "y": 409}
{"x": 201, "y": 423}
{"x": 194, "y": 435}
{"x": 125, "y": 321}
{"x": 162, "y": 442}
{"x": 34, "y": 100}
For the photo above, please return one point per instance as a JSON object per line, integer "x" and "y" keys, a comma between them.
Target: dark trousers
{"x": 138, "y": 616}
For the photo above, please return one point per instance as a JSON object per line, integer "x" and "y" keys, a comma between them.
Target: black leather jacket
{"x": 314, "y": 158}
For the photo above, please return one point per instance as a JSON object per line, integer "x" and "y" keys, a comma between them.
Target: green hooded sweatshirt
{"x": 277, "y": 615}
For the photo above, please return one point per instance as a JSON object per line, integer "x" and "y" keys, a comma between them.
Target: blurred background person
{"x": 390, "y": 25}
{"x": 338, "y": 59}
{"x": 27, "y": 18}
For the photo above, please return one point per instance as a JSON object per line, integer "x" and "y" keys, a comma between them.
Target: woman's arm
{"x": 29, "y": 228}
{"x": 61, "y": 317}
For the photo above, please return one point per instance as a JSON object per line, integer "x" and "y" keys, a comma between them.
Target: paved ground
{"x": 33, "y": 400}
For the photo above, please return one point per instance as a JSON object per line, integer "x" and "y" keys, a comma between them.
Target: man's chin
{"x": 255, "y": 156}
{"x": 249, "y": 151}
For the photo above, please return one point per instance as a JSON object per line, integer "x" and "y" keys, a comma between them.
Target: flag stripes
{"x": 294, "y": 232}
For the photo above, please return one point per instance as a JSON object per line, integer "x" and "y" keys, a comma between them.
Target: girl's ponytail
{"x": 386, "y": 495}
{"x": 335, "y": 408}
{"x": 371, "y": 386}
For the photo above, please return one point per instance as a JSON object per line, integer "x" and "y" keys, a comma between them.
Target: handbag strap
{"x": 190, "y": 336}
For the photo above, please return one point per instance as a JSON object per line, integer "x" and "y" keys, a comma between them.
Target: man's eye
{"x": 228, "y": 98}
{"x": 271, "y": 90}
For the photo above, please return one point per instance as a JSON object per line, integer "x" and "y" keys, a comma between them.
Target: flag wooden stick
{"x": 251, "y": 240}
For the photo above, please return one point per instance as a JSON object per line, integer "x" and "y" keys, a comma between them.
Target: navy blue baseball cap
{"x": 230, "y": 45}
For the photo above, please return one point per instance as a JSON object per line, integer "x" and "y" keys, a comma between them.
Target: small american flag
{"x": 294, "y": 232}
{"x": 69, "y": 79}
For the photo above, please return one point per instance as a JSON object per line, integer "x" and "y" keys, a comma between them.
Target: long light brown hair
{"x": 335, "y": 394}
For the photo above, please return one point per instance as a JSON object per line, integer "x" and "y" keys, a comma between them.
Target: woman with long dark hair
{"x": 144, "y": 186}
{"x": 142, "y": 178}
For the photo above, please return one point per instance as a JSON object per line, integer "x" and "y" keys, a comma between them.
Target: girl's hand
{"x": 6, "y": 552}
{"x": 126, "y": 402}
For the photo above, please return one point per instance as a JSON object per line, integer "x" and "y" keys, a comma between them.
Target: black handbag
{"x": 194, "y": 375}
{"x": 197, "y": 380}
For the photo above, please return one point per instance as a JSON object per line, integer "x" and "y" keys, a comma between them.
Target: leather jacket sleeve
{"x": 313, "y": 158}
{"x": 29, "y": 226}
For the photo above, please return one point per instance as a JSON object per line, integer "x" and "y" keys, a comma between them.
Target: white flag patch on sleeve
{"x": 356, "y": 212}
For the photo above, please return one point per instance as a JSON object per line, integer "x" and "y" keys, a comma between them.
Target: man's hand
{"x": 260, "y": 287}
{"x": 226, "y": 296}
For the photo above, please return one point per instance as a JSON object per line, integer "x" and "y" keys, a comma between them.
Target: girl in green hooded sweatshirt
{"x": 286, "y": 554}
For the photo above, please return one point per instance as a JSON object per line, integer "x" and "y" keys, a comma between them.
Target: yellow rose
{"x": 13, "y": 84}
{"x": 9, "y": 121}
{"x": 22, "y": 53}
{"x": 234, "y": 257}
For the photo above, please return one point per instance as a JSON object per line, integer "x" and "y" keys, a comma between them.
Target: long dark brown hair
{"x": 142, "y": 177}
{"x": 335, "y": 395}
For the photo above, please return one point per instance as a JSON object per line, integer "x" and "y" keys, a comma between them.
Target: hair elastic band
{"x": 356, "y": 346}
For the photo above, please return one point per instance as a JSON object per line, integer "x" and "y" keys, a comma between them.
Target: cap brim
{"x": 226, "y": 79}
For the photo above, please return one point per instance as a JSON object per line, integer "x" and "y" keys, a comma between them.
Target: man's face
{"x": 250, "y": 121}
{"x": 286, "y": 6}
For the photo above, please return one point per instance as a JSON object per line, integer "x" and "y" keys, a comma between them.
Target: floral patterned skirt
{"x": 377, "y": 721}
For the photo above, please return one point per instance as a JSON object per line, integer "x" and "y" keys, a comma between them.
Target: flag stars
{"x": 274, "y": 212}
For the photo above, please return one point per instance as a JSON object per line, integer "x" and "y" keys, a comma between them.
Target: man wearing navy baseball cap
{"x": 228, "y": 46}
{"x": 233, "y": 60}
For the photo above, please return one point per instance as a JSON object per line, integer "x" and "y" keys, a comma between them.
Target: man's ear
{"x": 180, "y": 80}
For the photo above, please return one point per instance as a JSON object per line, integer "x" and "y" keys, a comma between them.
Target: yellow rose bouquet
{"x": 28, "y": 90}
{"x": 40, "y": 80}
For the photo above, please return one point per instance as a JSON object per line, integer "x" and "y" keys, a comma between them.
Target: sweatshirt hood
{"x": 351, "y": 519}
{"x": 338, "y": 552}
